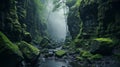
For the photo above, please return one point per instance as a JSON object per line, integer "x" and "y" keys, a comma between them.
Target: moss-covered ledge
{"x": 30, "y": 52}
{"x": 10, "y": 55}
{"x": 102, "y": 46}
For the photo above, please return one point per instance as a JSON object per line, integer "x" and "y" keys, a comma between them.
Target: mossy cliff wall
{"x": 91, "y": 19}
{"x": 94, "y": 18}
{"x": 18, "y": 17}
{"x": 20, "y": 24}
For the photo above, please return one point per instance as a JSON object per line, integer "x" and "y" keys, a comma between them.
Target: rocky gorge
{"x": 91, "y": 33}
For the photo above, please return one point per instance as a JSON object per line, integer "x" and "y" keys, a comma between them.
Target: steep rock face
{"x": 108, "y": 18}
{"x": 19, "y": 16}
{"x": 9, "y": 23}
{"x": 100, "y": 18}
{"x": 34, "y": 21}
{"x": 19, "y": 22}
{"x": 104, "y": 17}
{"x": 99, "y": 26}
{"x": 96, "y": 19}
{"x": 74, "y": 25}
{"x": 88, "y": 13}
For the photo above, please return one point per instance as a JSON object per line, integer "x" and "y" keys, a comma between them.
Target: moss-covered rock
{"x": 96, "y": 57}
{"x": 30, "y": 52}
{"x": 102, "y": 46}
{"x": 107, "y": 40}
{"x": 10, "y": 55}
{"x": 86, "y": 54}
{"x": 27, "y": 37}
{"x": 45, "y": 43}
{"x": 60, "y": 53}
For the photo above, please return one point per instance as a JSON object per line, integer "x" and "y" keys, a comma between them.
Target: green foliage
{"x": 60, "y": 53}
{"x": 6, "y": 44}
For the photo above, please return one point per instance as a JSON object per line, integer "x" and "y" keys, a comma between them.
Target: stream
{"x": 54, "y": 63}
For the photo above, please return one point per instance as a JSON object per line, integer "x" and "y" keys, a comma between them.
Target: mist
{"x": 56, "y": 22}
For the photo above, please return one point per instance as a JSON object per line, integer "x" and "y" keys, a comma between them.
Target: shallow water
{"x": 53, "y": 63}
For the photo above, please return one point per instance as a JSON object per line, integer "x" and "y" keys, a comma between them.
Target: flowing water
{"x": 57, "y": 28}
{"x": 54, "y": 63}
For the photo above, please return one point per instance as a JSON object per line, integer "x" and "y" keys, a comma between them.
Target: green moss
{"x": 28, "y": 50}
{"x": 86, "y": 54}
{"x": 6, "y": 44}
{"x": 76, "y": 40}
{"x": 38, "y": 39}
{"x": 79, "y": 58}
{"x": 27, "y": 37}
{"x": 102, "y": 46}
{"x": 17, "y": 27}
{"x": 108, "y": 40}
{"x": 96, "y": 57}
{"x": 78, "y": 3}
{"x": 27, "y": 33}
{"x": 60, "y": 53}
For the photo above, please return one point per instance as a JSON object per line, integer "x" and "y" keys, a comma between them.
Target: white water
{"x": 57, "y": 25}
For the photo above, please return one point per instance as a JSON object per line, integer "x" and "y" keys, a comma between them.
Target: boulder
{"x": 60, "y": 53}
{"x": 102, "y": 46}
{"x": 30, "y": 52}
